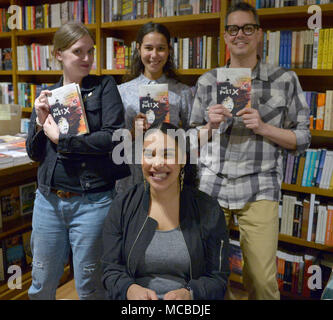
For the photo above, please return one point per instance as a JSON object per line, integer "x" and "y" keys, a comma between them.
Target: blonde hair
{"x": 68, "y": 34}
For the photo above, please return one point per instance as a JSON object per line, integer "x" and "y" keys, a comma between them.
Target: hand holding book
{"x": 42, "y": 107}
{"x": 217, "y": 114}
{"x": 51, "y": 129}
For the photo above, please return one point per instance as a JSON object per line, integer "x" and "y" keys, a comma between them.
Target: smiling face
{"x": 78, "y": 59}
{"x": 241, "y": 45}
{"x": 154, "y": 53}
{"x": 160, "y": 165}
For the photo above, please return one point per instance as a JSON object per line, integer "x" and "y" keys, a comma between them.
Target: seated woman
{"x": 163, "y": 238}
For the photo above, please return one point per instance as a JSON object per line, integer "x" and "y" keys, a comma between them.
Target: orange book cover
{"x": 120, "y": 57}
{"x": 320, "y": 111}
{"x": 67, "y": 109}
{"x": 329, "y": 226}
{"x": 305, "y": 220}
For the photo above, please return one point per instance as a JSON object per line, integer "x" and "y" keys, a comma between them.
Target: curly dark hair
{"x": 182, "y": 141}
{"x": 137, "y": 67}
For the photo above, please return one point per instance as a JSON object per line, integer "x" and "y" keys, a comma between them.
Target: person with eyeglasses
{"x": 241, "y": 164}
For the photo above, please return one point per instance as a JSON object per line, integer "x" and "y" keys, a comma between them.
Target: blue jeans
{"x": 61, "y": 224}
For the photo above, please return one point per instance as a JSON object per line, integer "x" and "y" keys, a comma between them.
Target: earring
{"x": 181, "y": 178}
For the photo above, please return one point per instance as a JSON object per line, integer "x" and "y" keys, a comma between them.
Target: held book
{"x": 67, "y": 109}
{"x": 154, "y": 102}
{"x": 234, "y": 88}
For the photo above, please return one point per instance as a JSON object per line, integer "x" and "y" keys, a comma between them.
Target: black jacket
{"x": 91, "y": 152}
{"x": 128, "y": 231}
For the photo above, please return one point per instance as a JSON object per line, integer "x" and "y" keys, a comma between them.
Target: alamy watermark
{"x": 314, "y": 282}
{"x": 314, "y": 22}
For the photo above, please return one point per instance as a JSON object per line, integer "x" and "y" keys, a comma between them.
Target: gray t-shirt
{"x": 165, "y": 266}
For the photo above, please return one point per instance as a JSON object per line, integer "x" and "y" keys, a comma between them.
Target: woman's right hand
{"x": 136, "y": 292}
{"x": 42, "y": 106}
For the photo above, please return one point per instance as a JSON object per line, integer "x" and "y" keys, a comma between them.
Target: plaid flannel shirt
{"x": 237, "y": 166}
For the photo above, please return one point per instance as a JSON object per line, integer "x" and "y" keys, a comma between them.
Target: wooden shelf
{"x": 17, "y": 174}
{"x": 114, "y": 72}
{"x": 6, "y": 72}
{"x": 291, "y": 12}
{"x": 296, "y": 241}
{"x": 313, "y": 72}
{"x": 183, "y": 72}
{"x": 317, "y": 191}
{"x": 14, "y": 226}
{"x": 36, "y": 32}
{"x": 44, "y": 73}
{"x": 4, "y": 35}
{"x": 184, "y": 20}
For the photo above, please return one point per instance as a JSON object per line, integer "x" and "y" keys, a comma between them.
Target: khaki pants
{"x": 258, "y": 226}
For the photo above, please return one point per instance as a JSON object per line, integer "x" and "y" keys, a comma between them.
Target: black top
{"x": 82, "y": 163}
{"x": 128, "y": 230}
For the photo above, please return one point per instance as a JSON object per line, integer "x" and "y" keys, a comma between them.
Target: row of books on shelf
{"x": 314, "y": 168}
{"x": 15, "y": 250}
{"x": 306, "y": 218}
{"x": 286, "y": 3}
{"x": 53, "y": 15}
{"x": 6, "y": 59}
{"x": 293, "y": 270}
{"x": 37, "y": 57}
{"x": 114, "y": 10}
{"x": 3, "y": 20}
{"x": 12, "y": 151}
{"x": 199, "y": 53}
{"x": 16, "y": 202}
{"x": 298, "y": 49}
{"x": 27, "y": 93}
{"x": 321, "y": 109}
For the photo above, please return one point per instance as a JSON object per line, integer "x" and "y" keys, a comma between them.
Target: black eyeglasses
{"x": 247, "y": 29}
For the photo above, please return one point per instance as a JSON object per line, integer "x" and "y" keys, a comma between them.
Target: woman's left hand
{"x": 51, "y": 129}
{"x": 179, "y": 294}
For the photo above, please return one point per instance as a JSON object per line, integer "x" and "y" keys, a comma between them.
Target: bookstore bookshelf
{"x": 206, "y": 22}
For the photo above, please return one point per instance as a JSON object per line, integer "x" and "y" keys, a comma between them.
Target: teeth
{"x": 159, "y": 175}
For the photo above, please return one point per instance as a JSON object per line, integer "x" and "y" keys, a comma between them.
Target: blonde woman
{"x": 76, "y": 177}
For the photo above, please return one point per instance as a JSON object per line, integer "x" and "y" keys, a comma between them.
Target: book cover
{"x": 236, "y": 258}
{"x": 26, "y": 236}
{"x": 234, "y": 88}
{"x": 14, "y": 251}
{"x": 10, "y": 203}
{"x": 27, "y": 197}
{"x": 154, "y": 102}
{"x": 120, "y": 57}
{"x": 67, "y": 109}
{"x": 7, "y": 59}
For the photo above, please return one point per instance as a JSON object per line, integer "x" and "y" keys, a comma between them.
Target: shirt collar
{"x": 145, "y": 80}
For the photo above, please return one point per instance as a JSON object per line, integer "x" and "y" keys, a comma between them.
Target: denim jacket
{"x": 91, "y": 153}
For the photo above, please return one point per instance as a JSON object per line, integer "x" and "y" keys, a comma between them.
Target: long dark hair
{"x": 137, "y": 66}
{"x": 190, "y": 170}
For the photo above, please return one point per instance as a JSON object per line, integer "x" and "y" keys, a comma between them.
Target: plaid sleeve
{"x": 297, "y": 118}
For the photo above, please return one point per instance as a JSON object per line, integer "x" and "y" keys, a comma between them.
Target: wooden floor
{"x": 68, "y": 292}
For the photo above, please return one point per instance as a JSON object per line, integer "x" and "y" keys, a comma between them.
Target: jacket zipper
{"x": 128, "y": 258}
{"x": 221, "y": 248}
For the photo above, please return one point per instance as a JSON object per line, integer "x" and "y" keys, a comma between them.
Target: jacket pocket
{"x": 93, "y": 108}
